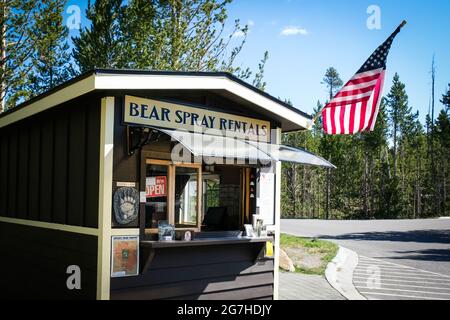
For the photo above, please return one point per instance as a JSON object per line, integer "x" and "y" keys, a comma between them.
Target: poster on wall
{"x": 266, "y": 201}
{"x": 156, "y": 187}
{"x": 125, "y": 256}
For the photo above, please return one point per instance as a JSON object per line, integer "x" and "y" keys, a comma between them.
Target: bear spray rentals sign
{"x": 161, "y": 114}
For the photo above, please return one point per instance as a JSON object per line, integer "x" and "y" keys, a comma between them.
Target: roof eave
{"x": 101, "y": 79}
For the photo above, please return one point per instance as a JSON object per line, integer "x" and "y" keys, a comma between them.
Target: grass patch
{"x": 310, "y": 256}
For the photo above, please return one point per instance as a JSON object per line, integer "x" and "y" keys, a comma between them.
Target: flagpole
{"x": 319, "y": 113}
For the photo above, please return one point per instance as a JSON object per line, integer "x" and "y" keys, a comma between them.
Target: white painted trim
{"x": 183, "y": 82}
{"x": 104, "y": 199}
{"x": 157, "y": 82}
{"x": 154, "y": 82}
{"x": 51, "y": 226}
{"x": 70, "y": 92}
{"x": 276, "y": 273}
{"x": 125, "y": 232}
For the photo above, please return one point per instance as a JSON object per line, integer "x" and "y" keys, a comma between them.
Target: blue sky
{"x": 304, "y": 37}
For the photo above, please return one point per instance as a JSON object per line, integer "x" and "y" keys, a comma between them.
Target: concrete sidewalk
{"x": 296, "y": 286}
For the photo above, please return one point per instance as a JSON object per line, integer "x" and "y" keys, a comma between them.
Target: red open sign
{"x": 156, "y": 187}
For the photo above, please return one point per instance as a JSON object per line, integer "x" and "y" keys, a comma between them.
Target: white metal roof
{"x": 291, "y": 119}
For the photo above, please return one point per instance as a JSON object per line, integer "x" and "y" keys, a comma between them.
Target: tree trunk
{"x": 395, "y": 149}
{"x": 444, "y": 187}
{"x": 419, "y": 189}
{"x": 291, "y": 181}
{"x": 371, "y": 186}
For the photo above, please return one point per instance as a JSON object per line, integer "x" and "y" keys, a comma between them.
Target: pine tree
{"x": 374, "y": 145}
{"x": 53, "y": 65}
{"x": 397, "y": 101}
{"x": 140, "y": 35}
{"x": 17, "y": 22}
{"x": 446, "y": 100}
{"x": 333, "y": 81}
{"x": 178, "y": 35}
{"x": 442, "y": 134}
{"x": 99, "y": 46}
{"x": 329, "y": 144}
{"x": 192, "y": 31}
{"x": 414, "y": 150}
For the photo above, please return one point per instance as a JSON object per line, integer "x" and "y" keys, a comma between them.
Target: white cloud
{"x": 293, "y": 31}
{"x": 251, "y": 23}
{"x": 238, "y": 34}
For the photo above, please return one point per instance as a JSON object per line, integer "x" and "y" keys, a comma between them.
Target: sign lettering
{"x": 156, "y": 187}
{"x": 161, "y": 114}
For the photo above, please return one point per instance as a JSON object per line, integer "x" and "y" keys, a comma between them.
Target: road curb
{"x": 339, "y": 274}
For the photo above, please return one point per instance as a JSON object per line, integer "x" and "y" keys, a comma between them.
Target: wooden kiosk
{"x": 92, "y": 173}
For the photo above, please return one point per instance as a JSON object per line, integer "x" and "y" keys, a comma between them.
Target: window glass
{"x": 211, "y": 191}
{"x": 221, "y": 198}
{"x": 186, "y": 197}
{"x": 156, "y": 189}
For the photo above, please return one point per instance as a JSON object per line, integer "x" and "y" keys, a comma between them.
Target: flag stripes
{"x": 354, "y": 110}
{"x": 355, "y": 107}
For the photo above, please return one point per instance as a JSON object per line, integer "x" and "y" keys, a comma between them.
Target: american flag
{"x": 355, "y": 108}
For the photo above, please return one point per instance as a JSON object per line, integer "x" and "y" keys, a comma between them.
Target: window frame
{"x": 171, "y": 175}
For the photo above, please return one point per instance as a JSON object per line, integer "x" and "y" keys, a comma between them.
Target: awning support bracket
{"x": 138, "y": 137}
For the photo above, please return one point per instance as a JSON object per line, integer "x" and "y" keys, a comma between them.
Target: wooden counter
{"x": 149, "y": 248}
{"x": 205, "y": 268}
{"x": 203, "y": 242}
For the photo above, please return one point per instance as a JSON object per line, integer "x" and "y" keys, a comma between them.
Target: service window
{"x": 222, "y": 198}
{"x": 191, "y": 198}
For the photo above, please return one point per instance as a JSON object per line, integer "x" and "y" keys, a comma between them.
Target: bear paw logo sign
{"x": 126, "y": 205}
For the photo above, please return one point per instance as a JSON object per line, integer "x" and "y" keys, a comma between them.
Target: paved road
{"x": 377, "y": 279}
{"x": 399, "y": 259}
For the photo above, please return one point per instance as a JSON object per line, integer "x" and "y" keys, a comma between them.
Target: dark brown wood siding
{"x": 200, "y": 273}
{"x": 35, "y": 261}
{"x": 49, "y": 165}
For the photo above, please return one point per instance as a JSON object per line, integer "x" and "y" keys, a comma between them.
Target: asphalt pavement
{"x": 398, "y": 259}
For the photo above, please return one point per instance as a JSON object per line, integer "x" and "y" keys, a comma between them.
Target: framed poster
{"x": 125, "y": 256}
